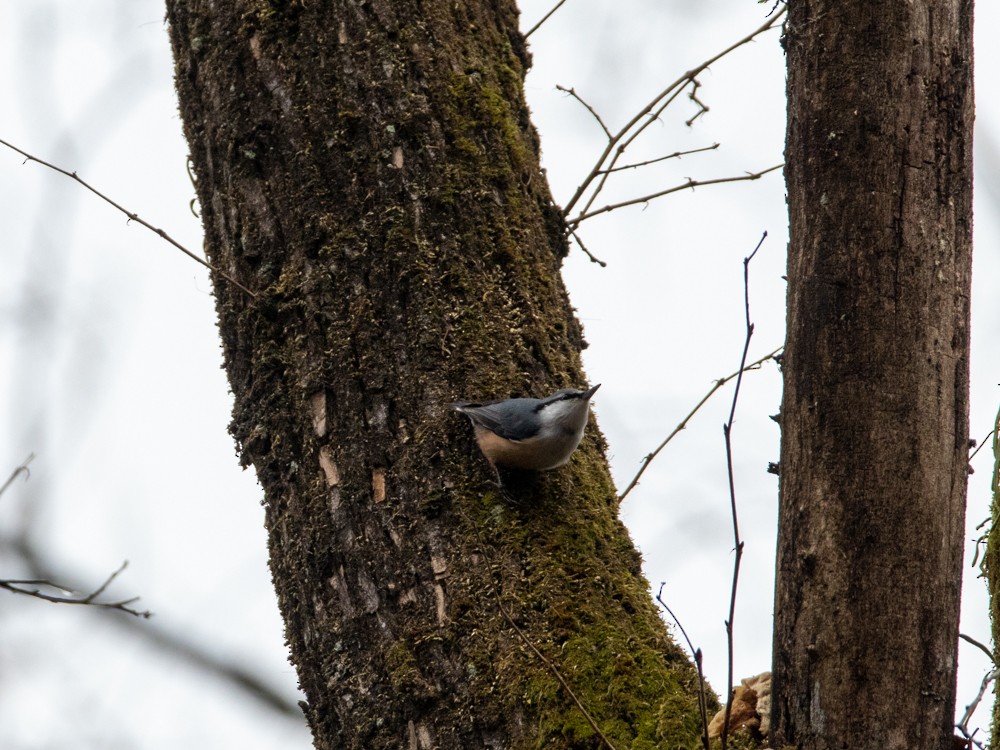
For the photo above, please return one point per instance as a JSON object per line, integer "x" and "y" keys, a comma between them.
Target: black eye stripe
{"x": 557, "y": 397}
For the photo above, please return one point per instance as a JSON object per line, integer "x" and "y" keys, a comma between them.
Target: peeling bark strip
{"x": 369, "y": 169}
{"x": 874, "y": 422}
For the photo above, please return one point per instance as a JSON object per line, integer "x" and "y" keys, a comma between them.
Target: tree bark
{"x": 874, "y": 421}
{"x": 369, "y": 170}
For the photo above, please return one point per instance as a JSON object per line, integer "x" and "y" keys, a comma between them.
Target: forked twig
{"x": 623, "y": 146}
{"x": 618, "y": 142}
{"x": 683, "y": 423}
{"x": 727, "y": 430}
{"x": 572, "y": 92}
{"x": 693, "y": 96}
{"x": 963, "y": 724}
{"x": 167, "y": 642}
{"x": 132, "y": 216}
{"x": 30, "y": 588}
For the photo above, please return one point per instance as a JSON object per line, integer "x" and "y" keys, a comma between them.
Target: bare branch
{"x": 977, "y": 644}
{"x": 727, "y": 430}
{"x": 132, "y": 216}
{"x": 683, "y": 423}
{"x": 963, "y": 725}
{"x": 693, "y": 96}
{"x": 22, "y": 469}
{"x": 31, "y": 588}
{"x": 696, "y": 653}
{"x": 545, "y": 18}
{"x": 575, "y": 222}
{"x": 669, "y": 94}
{"x": 593, "y": 258}
{"x": 675, "y": 155}
{"x": 620, "y": 151}
{"x": 572, "y": 92}
{"x": 972, "y": 455}
{"x": 169, "y": 643}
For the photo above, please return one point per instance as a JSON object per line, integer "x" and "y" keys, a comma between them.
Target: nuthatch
{"x": 530, "y": 433}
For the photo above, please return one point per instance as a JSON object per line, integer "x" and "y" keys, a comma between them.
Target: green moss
{"x": 478, "y": 113}
{"x": 402, "y": 665}
{"x": 991, "y": 559}
{"x": 572, "y": 560}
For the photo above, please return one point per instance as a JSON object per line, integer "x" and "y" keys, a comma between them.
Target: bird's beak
{"x": 588, "y": 393}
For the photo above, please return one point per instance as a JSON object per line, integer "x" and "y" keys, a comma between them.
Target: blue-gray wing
{"x": 514, "y": 419}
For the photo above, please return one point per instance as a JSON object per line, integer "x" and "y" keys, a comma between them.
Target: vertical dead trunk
{"x": 875, "y": 415}
{"x": 369, "y": 170}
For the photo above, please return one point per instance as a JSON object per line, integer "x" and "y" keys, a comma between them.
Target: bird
{"x": 530, "y": 434}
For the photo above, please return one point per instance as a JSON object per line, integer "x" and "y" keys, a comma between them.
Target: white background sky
{"x": 111, "y": 361}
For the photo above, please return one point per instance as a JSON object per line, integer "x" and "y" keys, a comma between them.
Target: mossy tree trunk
{"x": 991, "y": 564}
{"x": 875, "y": 432}
{"x": 369, "y": 170}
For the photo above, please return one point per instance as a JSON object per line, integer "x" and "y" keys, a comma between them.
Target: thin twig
{"x": 982, "y": 542}
{"x": 963, "y": 725}
{"x": 775, "y": 6}
{"x": 593, "y": 258}
{"x": 132, "y": 216}
{"x": 545, "y": 18}
{"x": 981, "y": 443}
{"x": 623, "y": 146}
{"x": 572, "y": 92}
{"x": 675, "y": 155}
{"x": 22, "y": 469}
{"x": 693, "y": 96}
{"x": 683, "y": 423}
{"x": 30, "y": 588}
{"x": 575, "y": 222}
{"x": 165, "y": 641}
{"x": 619, "y": 142}
{"x": 727, "y": 430}
{"x": 977, "y": 644}
{"x": 679, "y": 84}
{"x": 696, "y": 653}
